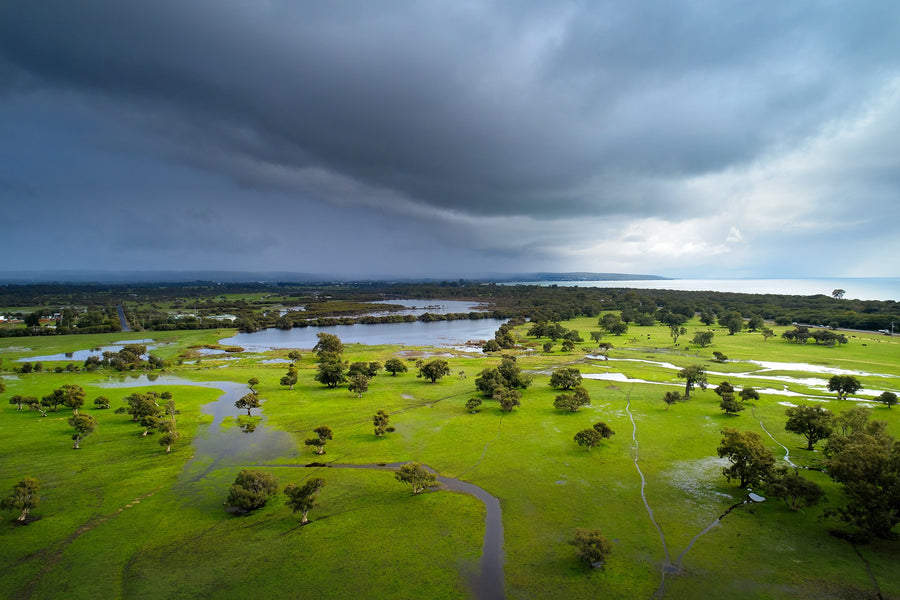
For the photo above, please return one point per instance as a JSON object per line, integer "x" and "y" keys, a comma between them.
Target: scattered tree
{"x": 596, "y": 336}
{"x": 331, "y": 373}
{"x": 676, "y": 331}
{"x": 703, "y": 338}
{"x": 302, "y": 498}
{"x": 719, "y": 357}
{"x": 380, "y": 420}
{"x": 565, "y": 378}
{"x": 19, "y": 401}
{"x": 250, "y": 491}
{"x": 724, "y": 388}
{"x": 101, "y": 402}
{"x": 248, "y": 402}
{"x": 751, "y": 462}
{"x": 670, "y": 398}
{"x": 434, "y": 369}
{"x": 867, "y": 463}
{"x": 290, "y": 378}
{"x": 253, "y": 381}
{"x": 591, "y": 546}
{"x": 323, "y": 434}
{"x": 796, "y": 491}
{"x": 84, "y": 426}
{"x": 694, "y": 376}
{"x": 169, "y": 434}
{"x": 889, "y": 399}
{"x": 472, "y": 405}
{"x": 767, "y": 333}
{"x": 838, "y": 293}
{"x": 24, "y": 497}
{"x": 730, "y": 404}
{"x": 567, "y": 346}
{"x": 416, "y": 475}
{"x": 359, "y": 384}
{"x": 295, "y": 355}
{"x": 572, "y": 402}
{"x": 508, "y": 399}
{"x": 588, "y": 438}
{"x": 812, "y": 422}
{"x": 748, "y": 393}
{"x": 394, "y": 366}
{"x": 548, "y": 347}
{"x": 732, "y": 321}
{"x": 491, "y": 346}
{"x": 329, "y": 346}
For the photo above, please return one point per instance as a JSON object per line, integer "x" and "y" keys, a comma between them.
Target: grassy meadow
{"x": 120, "y": 518}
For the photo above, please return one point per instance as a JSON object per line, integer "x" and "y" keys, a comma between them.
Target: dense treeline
{"x": 287, "y": 305}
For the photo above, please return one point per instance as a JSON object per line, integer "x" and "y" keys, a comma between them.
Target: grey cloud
{"x": 484, "y": 108}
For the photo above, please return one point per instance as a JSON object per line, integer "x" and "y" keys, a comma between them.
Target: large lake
{"x": 875, "y": 288}
{"x": 434, "y": 333}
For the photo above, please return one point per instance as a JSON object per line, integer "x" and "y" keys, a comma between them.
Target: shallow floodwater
{"x": 82, "y": 355}
{"x": 435, "y": 333}
{"x": 217, "y": 447}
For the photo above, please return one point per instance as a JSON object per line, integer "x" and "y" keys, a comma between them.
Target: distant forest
{"x": 200, "y": 305}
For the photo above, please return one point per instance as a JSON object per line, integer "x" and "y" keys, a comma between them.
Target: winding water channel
{"x": 217, "y": 447}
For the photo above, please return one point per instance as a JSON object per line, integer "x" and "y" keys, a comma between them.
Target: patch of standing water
{"x": 218, "y": 447}
{"x": 82, "y": 355}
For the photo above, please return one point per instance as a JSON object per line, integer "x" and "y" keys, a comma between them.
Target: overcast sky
{"x": 451, "y": 139}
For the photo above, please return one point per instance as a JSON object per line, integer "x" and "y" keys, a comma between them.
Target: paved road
{"x": 122, "y": 320}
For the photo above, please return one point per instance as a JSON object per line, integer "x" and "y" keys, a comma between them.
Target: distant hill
{"x": 91, "y": 276}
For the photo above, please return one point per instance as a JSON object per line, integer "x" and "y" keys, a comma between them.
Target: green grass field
{"x": 122, "y": 519}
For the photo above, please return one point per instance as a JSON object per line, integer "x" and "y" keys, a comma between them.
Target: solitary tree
{"x": 844, "y": 385}
{"x": 302, "y": 498}
{"x": 380, "y": 420}
{"x": 323, "y": 434}
{"x": 434, "y": 369}
{"x": 565, "y": 378}
{"x": 838, "y": 293}
{"x": 24, "y": 497}
{"x": 751, "y": 462}
{"x": 812, "y": 422}
{"x": 101, "y": 402}
{"x": 394, "y": 366}
{"x": 596, "y": 336}
{"x": 693, "y": 376}
{"x": 248, "y": 402}
{"x": 591, "y": 546}
{"x": 294, "y": 355}
{"x": 767, "y": 333}
{"x": 416, "y": 475}
{"x": 253, "y": 381}
{"x": 84, "y": 426}
{"x": 251, "y": 490}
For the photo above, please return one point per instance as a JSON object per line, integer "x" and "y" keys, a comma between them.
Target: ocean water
{"x": 875, "y": 288}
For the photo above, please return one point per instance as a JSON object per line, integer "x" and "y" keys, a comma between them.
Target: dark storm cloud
{"x": 480, "y": 108}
